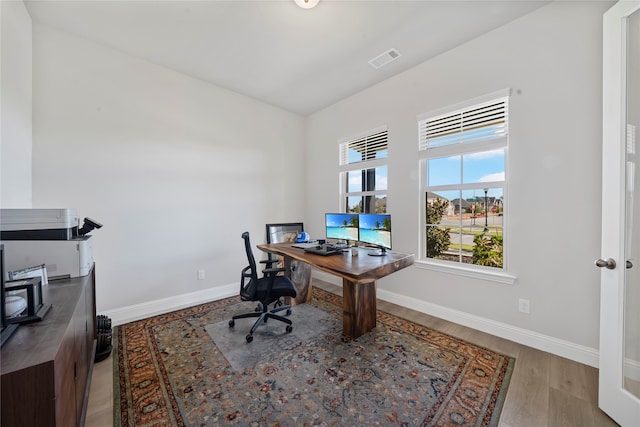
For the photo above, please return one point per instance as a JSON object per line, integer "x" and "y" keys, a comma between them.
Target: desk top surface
{"x": 361, "y": 268}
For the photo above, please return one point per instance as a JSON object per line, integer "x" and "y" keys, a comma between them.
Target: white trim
{"x": 588, "y": 356}
{"x": 622, "y": 406}
{"x": 365, "y": 164}
{"x": 143, "y": 310}
{"x": 494, "y": 144}
{"x": 476, "y": 272}
{"x": 576, "y": 352}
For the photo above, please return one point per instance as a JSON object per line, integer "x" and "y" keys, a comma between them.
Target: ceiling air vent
{"x": 384, "y": 58}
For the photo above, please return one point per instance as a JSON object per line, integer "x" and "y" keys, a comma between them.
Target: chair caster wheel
{"x": 289, "y": 312}
{"x": 249, "y": 338}
{"x": 232, "y": 323}
{"x": 289, "y": 328}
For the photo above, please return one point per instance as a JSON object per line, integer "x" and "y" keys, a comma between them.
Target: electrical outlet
{"x": 201, "y": 274}
{"x": 524, "y": 306}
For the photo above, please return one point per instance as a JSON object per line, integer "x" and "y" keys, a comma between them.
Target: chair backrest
{"x": 247, "y": 290}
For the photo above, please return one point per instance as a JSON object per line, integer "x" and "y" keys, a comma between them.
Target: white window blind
{"x": 370, "y": 147}
{"x": 478, "y": 123}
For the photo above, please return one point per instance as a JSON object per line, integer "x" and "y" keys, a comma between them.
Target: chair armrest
{"x": 273, "y": 270}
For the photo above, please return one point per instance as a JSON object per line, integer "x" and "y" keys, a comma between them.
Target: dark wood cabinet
{"x": 46, "y": 366}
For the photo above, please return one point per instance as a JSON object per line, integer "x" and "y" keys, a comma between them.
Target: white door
{"x": 619, "y": 386}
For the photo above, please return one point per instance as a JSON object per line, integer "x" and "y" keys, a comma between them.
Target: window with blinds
{"x": 363, "y": 172}
{"x": 363, "y": 149}
{"x": 463, "y": 159}
{"x": 478, "y": 123}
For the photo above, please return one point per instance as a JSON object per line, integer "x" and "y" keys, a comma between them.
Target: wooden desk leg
{"x": 358, "y": 308}
{"x": 300, "y": 274}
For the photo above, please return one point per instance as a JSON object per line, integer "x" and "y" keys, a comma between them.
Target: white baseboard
{"x": 576, "y": 352}
{"x": 567, "y": 349}
{"x": 120, "y": 316}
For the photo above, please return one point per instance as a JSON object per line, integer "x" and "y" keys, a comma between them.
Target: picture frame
{"x": 283, "y": 232}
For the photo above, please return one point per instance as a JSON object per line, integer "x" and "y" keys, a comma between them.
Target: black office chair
{"x": 267, "y": 290}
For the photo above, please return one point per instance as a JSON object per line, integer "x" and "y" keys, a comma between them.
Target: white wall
{"x": 175, "y": 168}
{"x": 552, "y": 61}
{"x": 157, "y": 157}
{"x": 15, "y": 116}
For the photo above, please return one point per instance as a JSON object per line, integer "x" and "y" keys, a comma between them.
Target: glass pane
{"x": 443, "y": 225}
{"x": 353, "y": 156}
{"x": 354, "y": 204}
{"x": 486, "y": 166}
{"x": 367, "y": 204}
{"x": 354, "y": 181}
{"x": 372, "y": 179}
{"x": 482, "y": 227}
{"x": 630, "y": 264}
{"x": 379, "y": 176}
{"x": 443, "y": 171}
{"x": 375, "y": 204}
{"x": 440, "y": 244}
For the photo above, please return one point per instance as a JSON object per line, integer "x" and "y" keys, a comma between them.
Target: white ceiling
{"x": 273, "y": 51}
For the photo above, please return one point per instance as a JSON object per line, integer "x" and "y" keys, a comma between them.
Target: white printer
{"x": 52, "y": 237}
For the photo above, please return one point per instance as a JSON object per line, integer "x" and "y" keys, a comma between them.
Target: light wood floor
{"x": 545, "y": 390}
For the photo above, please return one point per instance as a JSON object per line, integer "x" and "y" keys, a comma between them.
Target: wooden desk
{"x": 359, "y": 275}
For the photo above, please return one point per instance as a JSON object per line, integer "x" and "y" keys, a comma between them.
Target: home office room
{"x": 476, "y": 137}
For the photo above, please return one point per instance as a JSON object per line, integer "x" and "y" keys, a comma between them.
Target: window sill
{"x": 462, "y": 270}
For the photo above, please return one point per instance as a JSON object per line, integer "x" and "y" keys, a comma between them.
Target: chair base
{"x": 263, "y": 316}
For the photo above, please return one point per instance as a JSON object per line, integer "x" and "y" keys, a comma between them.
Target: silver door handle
{"x": 609, "y": 263}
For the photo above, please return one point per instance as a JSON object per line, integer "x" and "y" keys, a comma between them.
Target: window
{"x": 363, "y": 172}
{"x": 463, "y": 159}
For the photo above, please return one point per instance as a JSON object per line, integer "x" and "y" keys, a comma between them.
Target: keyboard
{"x": 324, "y": 250}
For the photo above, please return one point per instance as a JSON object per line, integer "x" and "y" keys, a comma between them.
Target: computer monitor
{"x": 6, "y": 329}
{"x": 375, "y": 229}
{"x": 341, "y": 226}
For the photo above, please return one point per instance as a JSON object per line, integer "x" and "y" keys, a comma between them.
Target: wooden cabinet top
{"x": 36, "y": 343}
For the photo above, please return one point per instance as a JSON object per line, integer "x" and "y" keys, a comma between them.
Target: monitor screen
{"x": 343, "y": 226}
{"x": 375, "y": 229}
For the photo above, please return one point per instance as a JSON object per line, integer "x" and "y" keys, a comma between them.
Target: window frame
{"x": 345, "y": 167}
{"x": 495, "y": 274}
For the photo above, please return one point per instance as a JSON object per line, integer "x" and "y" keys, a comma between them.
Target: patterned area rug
{"x": 170, "y": 372}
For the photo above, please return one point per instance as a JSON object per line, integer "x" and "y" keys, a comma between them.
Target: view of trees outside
{"x": 373, "y": 204}
{"x": 466, "y": 226}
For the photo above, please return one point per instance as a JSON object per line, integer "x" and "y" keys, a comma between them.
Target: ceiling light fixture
{"x": 307, "y": 4}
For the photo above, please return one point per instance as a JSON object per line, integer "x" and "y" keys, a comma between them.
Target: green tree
{"x": 438, "y": 239}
